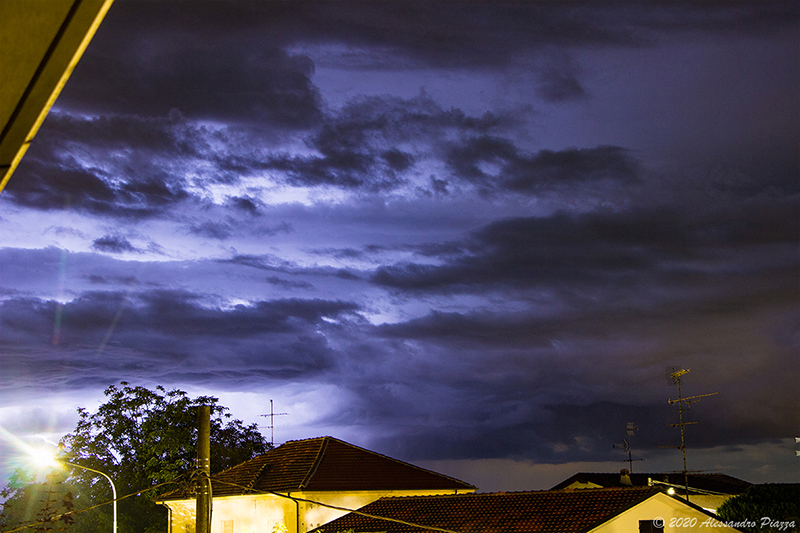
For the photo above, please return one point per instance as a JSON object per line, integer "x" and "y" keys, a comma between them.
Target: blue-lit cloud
{"x": 464, "y": 234}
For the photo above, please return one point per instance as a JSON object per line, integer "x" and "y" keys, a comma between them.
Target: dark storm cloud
{"x": 602, "y": 247}
{"x": 87, "y": 164}
{"x": 47, "y": 187}
{"x": 261, "y": 262}
{"x": 595, "y": 320}
{"x": 95, "y": 279}
{"x": 477, "y": 34}
{"x": 172, "y": 55}
{"x": 477, "y": 329}
{"x": 118, "y": 166}
{"x": 352, "y": 146}
{"x": 154, "y": 57}
{"x": 168, "y": 312}
{"x": 571, "y": 433}
{"x": 247, "y": 204}
{"x": 179, "y": 313}
{"x": 562, "y": 433}
{"x": 169, "y": 134}
{"x": 559, "y": 387}
{"x": 559, "y": 80}
{"x": 359, "y": 146}
{"x": 536, "y": 335}
{"x": 492, "y": 34}
{"x": 135, "y": 167}
{"x": 271, "y": 263}
{"x": 545, "y": 170}
{"x": 212, "y": 230}
{"x": 114, "y": 244}
{"x": 374, "y": 252}
{"x": 152, "y": 329}
{"x": 288, "y": 284}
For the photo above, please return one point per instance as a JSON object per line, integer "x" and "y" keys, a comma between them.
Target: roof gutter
{"x": 296, "y": 511}
{"x": 169, "y": 516}
{"x": 652, "y": 482}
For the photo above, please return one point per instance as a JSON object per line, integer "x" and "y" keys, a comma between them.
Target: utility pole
{"x": 203, "y": 470}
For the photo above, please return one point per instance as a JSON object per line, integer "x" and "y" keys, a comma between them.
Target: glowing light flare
{"x": 44, "y": 458}
{"x": 35, "y": 456}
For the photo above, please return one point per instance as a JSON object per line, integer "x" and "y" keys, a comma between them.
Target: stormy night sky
{"x": 468, "y": 235}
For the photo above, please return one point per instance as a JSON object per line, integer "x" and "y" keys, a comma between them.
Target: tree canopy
{"x": 145, "y": 441}
{"x": 763, "y": 508}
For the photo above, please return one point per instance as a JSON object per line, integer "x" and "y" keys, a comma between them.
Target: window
{"x": 227, "y": 526}
{"x": 650, "y": 526}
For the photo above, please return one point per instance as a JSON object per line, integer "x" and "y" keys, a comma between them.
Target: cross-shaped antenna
{"x": 271, "y": 425}
{"x": 684, "y": 404}
{"x": 630, "y": 427}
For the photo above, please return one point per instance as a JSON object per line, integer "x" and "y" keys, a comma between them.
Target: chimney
{"x": 625, "y": 477}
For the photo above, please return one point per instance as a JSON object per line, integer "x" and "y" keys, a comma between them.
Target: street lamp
{"x": 46, "y": 459}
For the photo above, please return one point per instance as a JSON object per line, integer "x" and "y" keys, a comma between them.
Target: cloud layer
{"x": 474, "y": 234}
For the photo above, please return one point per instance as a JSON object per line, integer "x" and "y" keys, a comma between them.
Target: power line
{"x": 61, "y": 516}
{"x": 338, "y": 508}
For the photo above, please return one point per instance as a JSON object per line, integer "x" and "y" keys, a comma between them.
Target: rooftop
{"x": 716, "y": 483}
{"x": 324, "y": 464}
{"x": 503, "y": 512}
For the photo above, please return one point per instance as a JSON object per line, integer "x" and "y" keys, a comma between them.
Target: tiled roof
{"x": 324, "y": 464}
{"x": 504, "y": 512}
{"x": 720, "y": 483}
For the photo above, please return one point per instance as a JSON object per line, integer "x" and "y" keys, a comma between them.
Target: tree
{"x": 145, "y": 441}
{"x": 768, "y": 507}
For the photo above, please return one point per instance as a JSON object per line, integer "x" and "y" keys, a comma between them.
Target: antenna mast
{"x": 627, "y": 446}
{"x": 684, "y": 404}
{"x": 271, "y": 425}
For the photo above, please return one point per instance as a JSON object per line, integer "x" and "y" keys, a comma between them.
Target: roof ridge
{"x": 522, "y": 492}
{"x": 405, "y": 463}
{"x": 315, "y": 464}
{"x": 241, "y": 465}
{"x": 257, "y": 476}
{"x": 671, "y": 472}
{"x": 630, "y": 505}
{"x": 302, "y": 440}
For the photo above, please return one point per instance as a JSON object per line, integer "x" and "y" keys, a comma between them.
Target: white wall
{"x": 677, "y": 516}
{"x": 265, "y": 513}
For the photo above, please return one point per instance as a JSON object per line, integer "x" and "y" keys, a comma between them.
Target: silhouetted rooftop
{"x": 503, "y": 512}
{"x": 324, "y": 464}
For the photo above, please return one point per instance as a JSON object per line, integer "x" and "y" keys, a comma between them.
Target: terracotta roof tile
{"x": 721, "y": 483}
{"x": 324, "y": 464}
{"x": 512, "y": 512}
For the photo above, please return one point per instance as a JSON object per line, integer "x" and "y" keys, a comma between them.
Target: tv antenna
{"x": 684, "y": 404}
{"x": 271, "y": 425}
{"x": 630, "y": 427}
